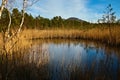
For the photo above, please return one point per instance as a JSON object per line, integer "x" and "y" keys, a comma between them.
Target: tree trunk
{"x": 22, "y": 21}
{"x": 23, "y": 16}
{"x": 2, "y": 7}
{"x": 9, "y": 23}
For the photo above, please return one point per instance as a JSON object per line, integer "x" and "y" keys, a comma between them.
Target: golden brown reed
{"x": 99, "y": 34}
{"x": 15, "y": 44}
{"x": 1, "y": 41}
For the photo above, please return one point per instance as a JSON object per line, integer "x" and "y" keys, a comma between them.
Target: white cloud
{"x": 66, "y": 9}
{"x": 38, "y": 8}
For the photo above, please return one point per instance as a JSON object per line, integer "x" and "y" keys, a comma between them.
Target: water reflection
{"x": 74, "y": 60}
{"x": 38, "y": 54}
{"x": 63, "y": 60}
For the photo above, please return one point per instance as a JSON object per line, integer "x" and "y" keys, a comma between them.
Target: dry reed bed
{"x": 15, "y": 44}
{"x": 98, "y": 34}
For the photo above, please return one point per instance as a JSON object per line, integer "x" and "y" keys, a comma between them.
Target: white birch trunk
{"x": 23, "y": 15}
{"x": 2, "y": 7}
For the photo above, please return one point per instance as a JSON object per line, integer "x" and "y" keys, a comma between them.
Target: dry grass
{"x": 99, "y": 34}
{"x": 1, "y": 41}
{"x": 15, "y": 44}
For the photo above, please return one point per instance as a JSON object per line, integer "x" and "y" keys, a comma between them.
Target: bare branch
{"x": 23, "y": 15}
{"x": 31, "y": 2}
{"x": 26, "y": 3}
{"x": 9, "y": 23}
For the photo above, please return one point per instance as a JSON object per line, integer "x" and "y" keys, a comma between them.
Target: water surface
{"x": 75, "y": 60}
{"x": 63, "y": 60}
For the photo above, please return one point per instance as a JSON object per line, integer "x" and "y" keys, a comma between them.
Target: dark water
{"x": 68, "y": 60}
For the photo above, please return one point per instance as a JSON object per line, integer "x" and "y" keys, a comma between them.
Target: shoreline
{"x": 94, "y": 34}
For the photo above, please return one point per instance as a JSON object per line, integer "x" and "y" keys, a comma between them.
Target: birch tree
{"x": 9, "y": 41}
{"x": 8, "y": 4}
{"x": 4, "y": 2}
{"x": 26, "y": 4}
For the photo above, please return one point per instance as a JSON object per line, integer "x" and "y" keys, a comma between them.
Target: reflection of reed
{"x": 24, "y": 64}
{"x": 18, "y": 67}
{"x": 38, "y": 54}
{"x": 102, "y": 67}
{"x": 84, "y": 43}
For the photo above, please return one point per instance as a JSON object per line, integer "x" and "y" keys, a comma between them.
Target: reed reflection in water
{"x": 64, "y": 60}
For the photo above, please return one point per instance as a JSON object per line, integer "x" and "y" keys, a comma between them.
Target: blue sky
{"x": 89, "y": 10}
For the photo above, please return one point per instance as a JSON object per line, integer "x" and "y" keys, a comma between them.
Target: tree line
{"x": 39, "y": 22}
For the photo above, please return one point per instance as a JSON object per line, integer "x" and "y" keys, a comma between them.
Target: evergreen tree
{"x": 4, "y": 20}
{"x": 16, "y": 17}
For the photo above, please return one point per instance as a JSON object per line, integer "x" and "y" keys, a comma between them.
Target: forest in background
{"x": 40, "y": 22}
